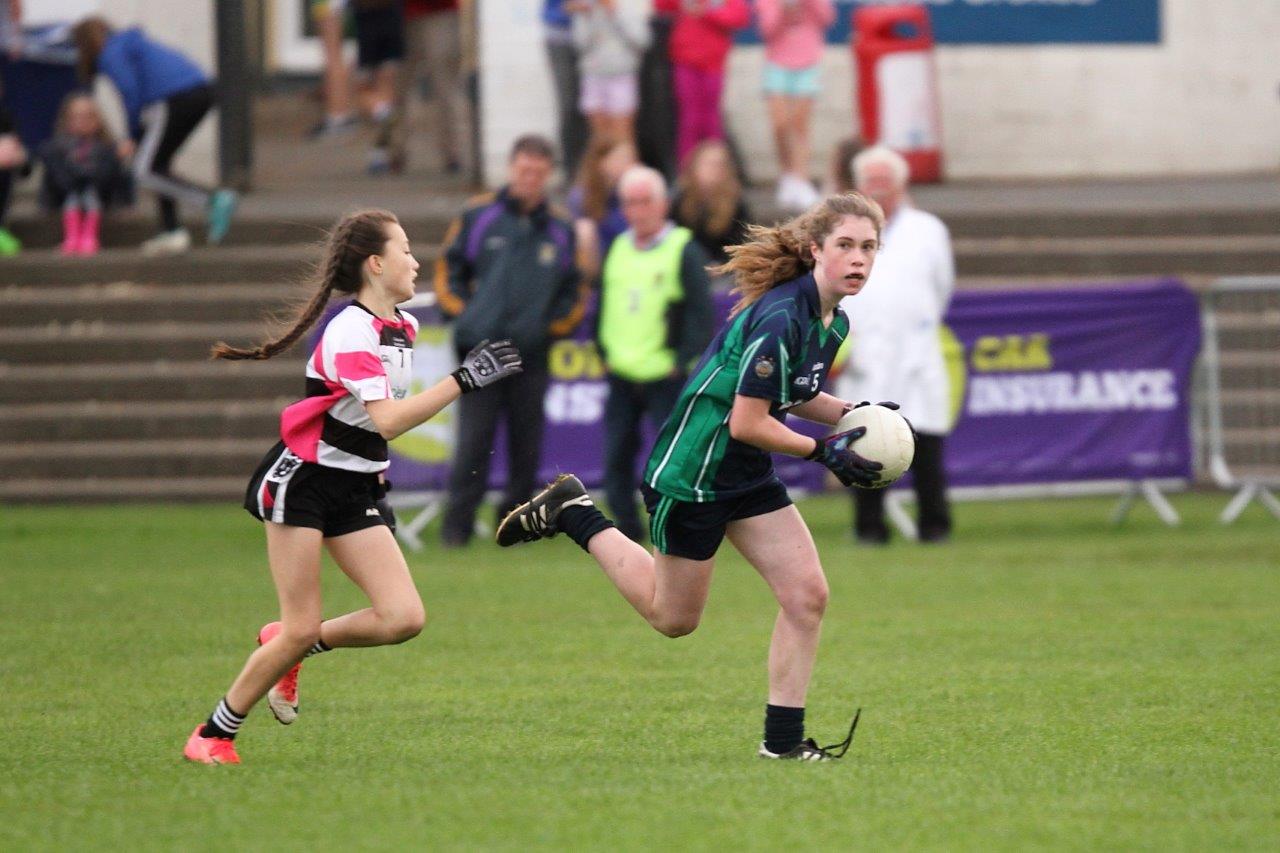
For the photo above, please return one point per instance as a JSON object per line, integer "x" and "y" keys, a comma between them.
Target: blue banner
{"x": 1019, "y": 21}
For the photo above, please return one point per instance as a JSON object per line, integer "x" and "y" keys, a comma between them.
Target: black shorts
{"x": 379, "y": 35}
{"x": 695, "y": 530}
{"x": 334, "y": 501}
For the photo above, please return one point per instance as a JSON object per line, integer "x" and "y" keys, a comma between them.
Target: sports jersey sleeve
{"x": 766, "y": 358}
{"x": 353, "y": 358}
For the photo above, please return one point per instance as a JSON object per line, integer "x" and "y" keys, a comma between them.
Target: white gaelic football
{"x": 888, "y": 440}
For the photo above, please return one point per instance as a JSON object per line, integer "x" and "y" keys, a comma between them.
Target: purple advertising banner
{"x": 1089, "y": 383}
{"x": 1049, "y": 386}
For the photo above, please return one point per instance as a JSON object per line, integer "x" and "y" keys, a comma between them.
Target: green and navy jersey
{"x": 778, "y": 350}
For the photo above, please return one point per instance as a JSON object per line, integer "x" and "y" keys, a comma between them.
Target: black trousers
{"x": 166, "y": 126}
{"x": 931, "y": 497}
{"x": 518, "y": 402}
{"x": 629, "y": 403}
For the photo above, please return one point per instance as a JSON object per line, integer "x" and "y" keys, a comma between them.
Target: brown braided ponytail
{"x": 780, "y": 253}
{"x": 356, "y": 236}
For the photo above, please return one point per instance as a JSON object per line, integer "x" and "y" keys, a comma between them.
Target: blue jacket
{"x": 145, "y": 72}
{"x": 554, "y": 15}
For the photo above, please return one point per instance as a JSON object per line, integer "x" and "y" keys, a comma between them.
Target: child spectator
{"x": 433, "y": 29}
{"x": 794, "y": 35}
{"x": 700, "y": 42}
{"x": 165, "y": 97}
{"x": 380, "y": 51}
{"x": 593, "y": 201}
{"x": 709, "y": 200}
{"x": 12, "y": 158}
{"x": 83, "y": 174}
{"x": 611, "y": 36}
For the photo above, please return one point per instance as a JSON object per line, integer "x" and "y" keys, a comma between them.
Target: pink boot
{"x": 89, "y": 244}
{"x": 71, "y": 225}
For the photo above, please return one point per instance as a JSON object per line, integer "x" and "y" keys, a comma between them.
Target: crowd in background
{"x": 655, "y": 195}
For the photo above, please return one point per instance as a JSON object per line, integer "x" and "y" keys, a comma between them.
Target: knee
{"x": 676, "y": 626}
{"x": 807, "y": 603}
{"x": 405, "y": 625}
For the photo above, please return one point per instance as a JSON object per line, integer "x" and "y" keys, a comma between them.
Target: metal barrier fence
{"x": 1240, "y": 390}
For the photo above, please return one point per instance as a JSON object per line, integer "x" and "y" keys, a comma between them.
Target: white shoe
{"x": 167, "y": 243}
{"x": 803, "y": 195}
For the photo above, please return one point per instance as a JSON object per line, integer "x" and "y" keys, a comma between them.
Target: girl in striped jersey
{"x": 710, "y": 474}
{"x": 321, "y": 485}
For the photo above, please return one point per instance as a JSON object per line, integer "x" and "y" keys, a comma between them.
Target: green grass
{"x": 1044, "y": 681}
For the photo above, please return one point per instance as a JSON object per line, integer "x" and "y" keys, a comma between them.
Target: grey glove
{"x": 486, "y": 364}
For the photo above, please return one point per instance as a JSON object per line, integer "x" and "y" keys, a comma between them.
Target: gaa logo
{"x": 764, "y": 367}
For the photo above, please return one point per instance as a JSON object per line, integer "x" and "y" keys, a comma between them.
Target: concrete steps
{"x": 122, "y": 489}
{"x": 116, "y": 420}
{"x": 278, "y": 379}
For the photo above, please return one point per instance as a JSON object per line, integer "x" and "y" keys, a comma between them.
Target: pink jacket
{"x": 702, "y": 38}
{"x": 794, "y": 33}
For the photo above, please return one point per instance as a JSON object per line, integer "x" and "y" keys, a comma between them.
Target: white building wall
{"x": 1204, "y": 100}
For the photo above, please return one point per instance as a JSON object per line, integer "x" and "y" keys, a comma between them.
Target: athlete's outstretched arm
{"x": 487, "y": 363}
{"x": 751, "y": 423}
{"x": 822, "y": 409}
{"x": 393, "y": 418}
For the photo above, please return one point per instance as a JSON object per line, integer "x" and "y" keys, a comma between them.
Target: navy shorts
{"x": 695, "y": 530}
{"x": 379, "y": 35}
{"x": 334, "y": 501}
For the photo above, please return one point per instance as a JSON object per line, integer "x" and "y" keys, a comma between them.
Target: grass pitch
{"x": 1044, "y": 681}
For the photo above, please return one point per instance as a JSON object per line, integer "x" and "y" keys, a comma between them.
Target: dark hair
{"x": 356, "y": 237}
{"x": 841, "y": 166}
{"x": 534, "y": 145}
{"x": 780, "y": 253}
{"x": 89, "y": 36}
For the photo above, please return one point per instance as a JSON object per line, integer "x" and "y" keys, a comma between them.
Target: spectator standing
{"x": 611, "y": 36}
{"x": 594, "y": 203}
{"x": 794, "y": 33}
{"x": 12, "y": 158}
{"x": 562, "y": 54}
{"x": 655, "y": 320}
{"x": 380, "y": 52}
{"x": 508, "y": 271}
{"x": 700, "y": 41}
{"x": 82, "y": 173}
{"x": 709, "y": 200}
{"x": 895, "y": 350}
{"x": 165, "y": 96}
{"x": 433, "y": 29}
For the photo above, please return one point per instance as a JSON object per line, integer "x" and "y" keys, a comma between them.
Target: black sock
{"x": 580, "y": 523}
{"x": 783, "y": 728}
{"x": 223, "y": 722}
{"x": 319, "y": 647}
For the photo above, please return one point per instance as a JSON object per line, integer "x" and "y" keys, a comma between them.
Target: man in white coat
{"x": 895, "y": 349}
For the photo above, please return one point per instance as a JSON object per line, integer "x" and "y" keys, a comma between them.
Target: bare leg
{"x": 781, "y": 132}
{"x": 801, "y": 110}
{"x": 294, "y": 554}
{"x": 780, "y": 548}
{"x": 337, "y": 86}
{"x": 669, "y": 592}
{"x": 373, "y": 561}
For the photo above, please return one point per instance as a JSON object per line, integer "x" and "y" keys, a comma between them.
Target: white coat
{"x": 895, "y": 352}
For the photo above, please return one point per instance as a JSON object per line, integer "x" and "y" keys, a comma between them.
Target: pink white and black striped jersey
{"x": 360, "y": 358}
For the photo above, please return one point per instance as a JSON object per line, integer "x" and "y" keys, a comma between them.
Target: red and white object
{"x": 898, "y": 85}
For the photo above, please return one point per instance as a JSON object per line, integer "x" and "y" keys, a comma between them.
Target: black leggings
{"x": 167, "y": 124}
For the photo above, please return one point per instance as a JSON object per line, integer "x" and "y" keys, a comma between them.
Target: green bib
{"x": 638, "y": 289}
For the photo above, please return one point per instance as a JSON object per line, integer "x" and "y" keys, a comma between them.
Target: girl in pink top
{"x": 700, "y": 42}
{"x": 794, "y": 33}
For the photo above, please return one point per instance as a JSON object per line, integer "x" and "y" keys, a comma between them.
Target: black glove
{"x": 850, "y": 468}
{"x": 486, "y": 364}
